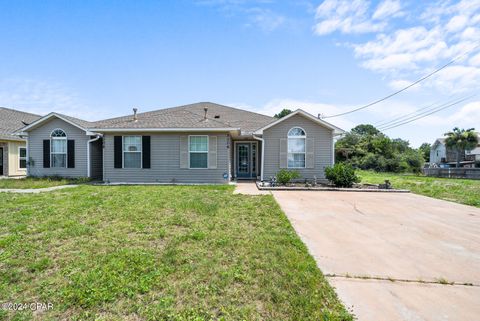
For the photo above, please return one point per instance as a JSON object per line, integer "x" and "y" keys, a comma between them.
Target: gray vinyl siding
{"x": 323, "y": 141}
{"x": 165, "y": 162}
{"x": 35, "y": 146}
{"x": 96, "y": 165}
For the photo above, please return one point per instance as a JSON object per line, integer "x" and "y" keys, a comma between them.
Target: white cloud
{"x": 402, "y": 83}
{"x": 346, "y": 17}
{"x": 475, "y": 60}
{"x": 258, "y": 13}
{"x": 42, "y": 97}
{"x": 267, "y": 20}
{"x": 388, "y": 8}
{"x": 465, "y": 117}
{"x": 446, "y": 31}
{"x": 468, "y": 115}
{"x": 457, "y": 23}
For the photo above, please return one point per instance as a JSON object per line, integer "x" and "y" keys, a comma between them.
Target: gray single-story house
{"x": 197, "y": 143}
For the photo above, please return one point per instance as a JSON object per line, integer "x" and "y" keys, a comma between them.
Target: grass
{"x": 157, "y": 253}
{"x": 464, "y": 191}
{"x": 37, "y": 182}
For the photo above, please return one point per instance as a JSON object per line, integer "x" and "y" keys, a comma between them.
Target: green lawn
{"x": 465, "y": 191}
{"x": 157, "y": 253}
{"x": 34, "y": 182}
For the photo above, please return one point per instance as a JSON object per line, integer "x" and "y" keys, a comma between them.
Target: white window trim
{"x": 141, "y": 152}
{"x": 189, "y": 151}
{"x": 66, "y": 148}
{"x": 22, "y": 158}
{"x": 304, "y": 137}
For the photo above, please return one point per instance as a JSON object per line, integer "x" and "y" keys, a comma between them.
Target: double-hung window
{"x": 132, "y": 151}
{"x": 198, "y": 151}
{"x": 58, "y": 150}
{"x": 296, "y": 148}
{"x": 22, "y": 157}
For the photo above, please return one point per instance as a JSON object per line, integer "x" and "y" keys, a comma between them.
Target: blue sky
{"x": 97, "y": 59}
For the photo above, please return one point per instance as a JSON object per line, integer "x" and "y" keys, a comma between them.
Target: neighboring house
{"x": 197, "y": 143}
{"x": 441, "y": 155}
{"x": 12, "y": 148}
{"x": 438, "y": 152}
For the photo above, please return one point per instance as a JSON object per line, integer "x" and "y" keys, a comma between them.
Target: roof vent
{"x": 135, "y": 118}
{"x": 216, "y": 116}
{"x": 205, "y": 109}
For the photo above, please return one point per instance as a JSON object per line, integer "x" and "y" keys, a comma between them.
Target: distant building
{"x": 443, "y": 156}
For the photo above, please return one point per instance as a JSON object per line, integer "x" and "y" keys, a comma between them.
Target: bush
{"x": 341, "y": 175}
{"x": 285, "y": 176}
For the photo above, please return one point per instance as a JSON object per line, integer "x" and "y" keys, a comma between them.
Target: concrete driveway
{"x": 389, "y": 255}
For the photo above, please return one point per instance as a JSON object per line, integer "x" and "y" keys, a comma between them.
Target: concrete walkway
{"x": 248, "y": 188}
{"x": 35, "y": 190}
{"x": 378, "y": 250}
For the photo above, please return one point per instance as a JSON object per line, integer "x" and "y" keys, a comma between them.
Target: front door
{"x": 246, "y": 157}
{"x": 1, "y": 161}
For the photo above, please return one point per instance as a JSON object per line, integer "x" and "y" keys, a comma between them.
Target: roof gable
{"x": 79, "y": 123}
{"x": 309, "y": 116}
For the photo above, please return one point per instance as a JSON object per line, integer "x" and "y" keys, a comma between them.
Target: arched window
{"x": 58, "y": 148}
{"x": 296, "y": 147}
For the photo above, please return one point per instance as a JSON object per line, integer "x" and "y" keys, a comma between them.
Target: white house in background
{"x": 438, "y": 152}
{"x": 441, "y": 155}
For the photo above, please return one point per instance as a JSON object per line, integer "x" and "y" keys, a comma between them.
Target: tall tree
{"x": 461, "y": 140}
{"x": 283, "y": 113}
{"x": 366, "y": 147}
{"x": 424, "y": 149}
{"x": 365, "y": 129}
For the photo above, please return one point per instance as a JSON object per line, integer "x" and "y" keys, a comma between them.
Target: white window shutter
{"x": 310, "y": 153}
{"x": 212, "y": 151}
{"x": 283, "y": 153}
{"x": 183, "y": 151}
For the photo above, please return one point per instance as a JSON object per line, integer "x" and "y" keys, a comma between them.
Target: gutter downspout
{"x": 263, "y": 154}
{"x": 97, "y": 137}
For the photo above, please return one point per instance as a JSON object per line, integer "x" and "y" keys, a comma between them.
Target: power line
{"x": 426, "y": 113}
{"x": 415, "y": 113}
{"x": 384, "y": 122}
{"x": 407, "y": 87}
{"x": 430, "y": 113}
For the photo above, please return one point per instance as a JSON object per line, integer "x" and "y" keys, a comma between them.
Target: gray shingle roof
{"x": 186, "y": 116}
{"x": 11, "y": 120}
{"x": 78, "y": 121}
{"x": 191, "y": 116}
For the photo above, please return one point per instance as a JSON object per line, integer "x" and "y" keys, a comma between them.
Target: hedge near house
{"x": 342, "y": 175}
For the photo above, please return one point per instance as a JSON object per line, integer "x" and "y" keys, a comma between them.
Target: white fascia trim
{"x": 262, "y": 166}
{"x": 47, "y": 117}
{"x": 136, "y": 130}
{"x": 305, "y": 114}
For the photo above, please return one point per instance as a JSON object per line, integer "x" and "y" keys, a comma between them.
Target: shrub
{"x": 285, "y": 176}
{"x": 341, "y": 175}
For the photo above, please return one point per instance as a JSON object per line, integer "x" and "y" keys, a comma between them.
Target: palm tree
{"x": 461, "y": 140}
